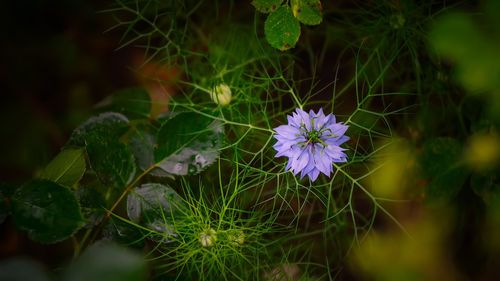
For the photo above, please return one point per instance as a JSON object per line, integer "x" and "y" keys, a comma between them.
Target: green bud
{"x": 221, "y": 94}
{"x": 208, "y": 237}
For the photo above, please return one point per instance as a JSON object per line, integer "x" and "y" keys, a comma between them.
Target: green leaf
{"x": 123, "y": 233}
{"x": 188, "y": 143}
{"x": 92, "y": 205}
{"x": 266, "y": 6}
{"x": 106, "y": 125}
{"x": 49, "y": 212}
{"x": 111, "y": 159}
{"x": 135, "y": 103}
{"x": 487, "y": 187}
{"x": 440, "y": 163}
{"x": 142, "y": 141}
{"x": 282, "y": 29}
{"x": 67, "y": 168}
{"x": 460, "y": 39}
{"x": 107, "y": 262}
{"x": 307, "y": 11}
{"x": 22, "y": 269}
{"x": 154, "y": 205}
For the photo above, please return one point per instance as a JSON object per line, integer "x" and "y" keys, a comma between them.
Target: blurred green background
{"x": 57, "y": 63}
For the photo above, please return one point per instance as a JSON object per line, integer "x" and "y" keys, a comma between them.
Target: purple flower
{"x": 311, "y": 142}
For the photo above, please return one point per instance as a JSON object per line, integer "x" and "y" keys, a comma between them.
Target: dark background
{"x": 57, "y": 61}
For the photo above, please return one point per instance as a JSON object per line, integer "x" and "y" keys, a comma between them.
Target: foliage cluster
{"x": 186, "y": 186}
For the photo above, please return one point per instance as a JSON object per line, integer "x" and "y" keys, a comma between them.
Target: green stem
{"x": 296, "y": 99}
{"x": 82, "y": 243}
{"x": 128, "y": 189}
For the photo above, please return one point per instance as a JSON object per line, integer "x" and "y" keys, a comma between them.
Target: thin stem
{"x": 128, "y": 189}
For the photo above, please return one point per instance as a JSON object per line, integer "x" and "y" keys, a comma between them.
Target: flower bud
{"x": 208, "y": 237}
{"x": 237, "y": 238}
{"x": 397, "y": 21}
{"x": 221, "y": 94}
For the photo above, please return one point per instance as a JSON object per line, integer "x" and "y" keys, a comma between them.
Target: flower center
{"x": 313, "y": 136}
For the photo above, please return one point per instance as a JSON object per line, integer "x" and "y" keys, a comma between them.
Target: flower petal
{"x": 324, "y": 163}
{"x": 335, "y": 152}
{"x": 301, "y": 162}
{"x": 288, "y": 132}
{"x": 314, "y": 158}
{"x": 310, "y": 164}
{"x": 341, "y": 140}
{"x": 339, "y": 129}
{"x": 331, "y": 119}
{"x": 313, "y": 175}
{"x": 305, "y": 119}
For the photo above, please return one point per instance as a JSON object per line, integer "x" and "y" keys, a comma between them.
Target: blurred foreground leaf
{"x": 487, "y": 187}
{"x": 472, "y": 45}
{"x": 392, "y": 170}
{"x": 394, "y": 256}
{"x": 482, "y": 152}
{"x": 21, "y": 269}
{"x": 48, "y": 211}
{"x": 107, "y": 262}
{"x": 441, "y": 164}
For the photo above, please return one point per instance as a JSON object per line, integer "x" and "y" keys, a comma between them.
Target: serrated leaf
{"x": 107, "y": 262}
{"x": 142, "y": 141}
{"x": 92, "y": 205}
{"x": 22, "y": 269}
{"x": 266, "y": 6}
{"x": 308, "y": 11}
{"x": 111, "y": 159}
{"x": 188, "y": 143}
{"x": 67, "y": 168}
{"x": 153, "y": 205}
{"x": 123, "y": 233}
{"x": 105, "y": 125}
{"x": 49, "y": 212}
{"x": 440, "y": 163}
{"x": 282, "y": 29}
{"x": 135, "y": 103}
